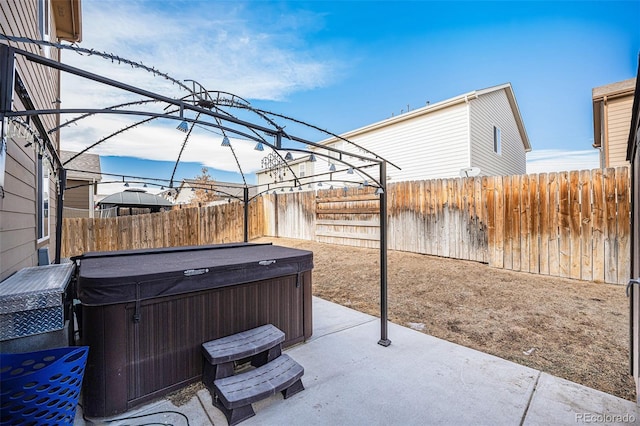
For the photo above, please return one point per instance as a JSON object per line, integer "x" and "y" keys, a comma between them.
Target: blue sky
{"x": 343, "y": 65}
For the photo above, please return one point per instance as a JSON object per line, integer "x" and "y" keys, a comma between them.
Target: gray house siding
{"x": 425, "y": 145}
{"x": 617, "y": 132}
{"x": 18, "y": 208}
{"x": 436, "y": 141}
{"x": 489, "y": 110}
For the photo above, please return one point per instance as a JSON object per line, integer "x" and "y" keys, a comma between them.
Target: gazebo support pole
{"x": 384, "y": 339}
{"x": 62, "y": 182}
{"x": 246, "y": 214}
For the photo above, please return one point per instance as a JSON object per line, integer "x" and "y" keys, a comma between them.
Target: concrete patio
{"x": 419, "y": 380}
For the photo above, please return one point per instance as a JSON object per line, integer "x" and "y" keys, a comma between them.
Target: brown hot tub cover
{"x": 134, "y": 275}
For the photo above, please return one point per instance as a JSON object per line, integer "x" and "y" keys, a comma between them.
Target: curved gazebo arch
{"x": 210, "y": 109}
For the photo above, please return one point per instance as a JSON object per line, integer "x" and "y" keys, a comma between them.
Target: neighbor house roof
{"x": 465, "y": 97}
{"x": 619, "y": 88}
{"x": 607, "y": 92}
{"x": 89, "y": 163}
{"x": 68, "y": 19}
{"x": 216, "y": 185}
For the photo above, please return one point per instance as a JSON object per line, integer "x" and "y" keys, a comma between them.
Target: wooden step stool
{"x": 233, "y": 393}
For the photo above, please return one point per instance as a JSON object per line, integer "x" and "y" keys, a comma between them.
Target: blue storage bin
{"x": 43, "y": 387}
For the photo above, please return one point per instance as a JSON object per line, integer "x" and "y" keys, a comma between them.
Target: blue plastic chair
{"x": 43, "y": 387}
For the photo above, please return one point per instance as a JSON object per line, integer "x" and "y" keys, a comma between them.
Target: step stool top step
{"x": 255, "y": 385}
{"x": 242, "y": 345}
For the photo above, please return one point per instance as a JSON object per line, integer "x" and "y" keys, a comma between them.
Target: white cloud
{"x": 557, "y": 160}
{"x": 222, "y": 45}
{"x": 161, "y": 141}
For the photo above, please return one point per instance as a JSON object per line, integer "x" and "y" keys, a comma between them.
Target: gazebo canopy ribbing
{"x": 215, "y": 111}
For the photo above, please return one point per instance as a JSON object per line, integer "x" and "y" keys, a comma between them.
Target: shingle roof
{"x": 612, "y": 90}
{"x": 88, "y": 163}
{"x": 216, "y": 185}
{"x": 616, "y": 88}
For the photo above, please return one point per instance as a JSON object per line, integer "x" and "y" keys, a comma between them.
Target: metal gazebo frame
{"x": 198, "y": 101}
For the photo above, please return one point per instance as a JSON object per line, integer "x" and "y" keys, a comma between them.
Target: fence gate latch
{"x": 630, "y": 283}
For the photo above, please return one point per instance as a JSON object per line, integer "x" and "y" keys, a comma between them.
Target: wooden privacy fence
{"x": 568, "y": 224}
{"x": 441, "y": 217}
{"x": 290, "y": 215}
{"x": 179, "y": 227}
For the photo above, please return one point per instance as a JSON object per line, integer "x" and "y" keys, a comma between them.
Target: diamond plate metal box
{"x": 32, "y": 300}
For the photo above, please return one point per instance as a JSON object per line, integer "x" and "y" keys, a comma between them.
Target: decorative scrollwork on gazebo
{"x": 275, "y": 166}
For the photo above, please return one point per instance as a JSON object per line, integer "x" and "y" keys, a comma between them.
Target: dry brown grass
{"x": 578, "y": 330}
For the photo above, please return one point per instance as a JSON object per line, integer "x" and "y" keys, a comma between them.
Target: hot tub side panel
{"x": 161, "y": 352}
{"x": 106, "y": 375}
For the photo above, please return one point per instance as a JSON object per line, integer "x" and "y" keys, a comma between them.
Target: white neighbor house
{"x": 481, "y": 129}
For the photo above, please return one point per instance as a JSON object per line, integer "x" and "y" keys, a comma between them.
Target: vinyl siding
{"x": 262, "y": 180}
{"x": 489, "y": 110}
{"x": 322, "y": 164}
{"x": 77, "y": 198}
{"x": 18, "y": 210}
{"x": 267, "y": 183}
{"x": 433, "y": 142}
{"x": 185, "y": 195}
{"x": 618, "y": 122}
{"x": 428, "y": 146}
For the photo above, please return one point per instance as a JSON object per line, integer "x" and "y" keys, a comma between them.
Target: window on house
{"x": 44, "y": 22}
{"x": 333, "y": 154}
{"x": 43, "y": 200}
{"x": 497, "y": 140}
{"x": 302, "y": 170}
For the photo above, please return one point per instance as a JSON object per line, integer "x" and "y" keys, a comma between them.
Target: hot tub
{"x": 145, "y": 313}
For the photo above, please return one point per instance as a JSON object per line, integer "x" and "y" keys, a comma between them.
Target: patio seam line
{"x": 343, "y": 329}
{"x": 204, "y": 408}
{"x": 533, "y": 391}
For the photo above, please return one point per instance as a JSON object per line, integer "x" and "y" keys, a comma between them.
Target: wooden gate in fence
{"x": 348, "y": 217}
